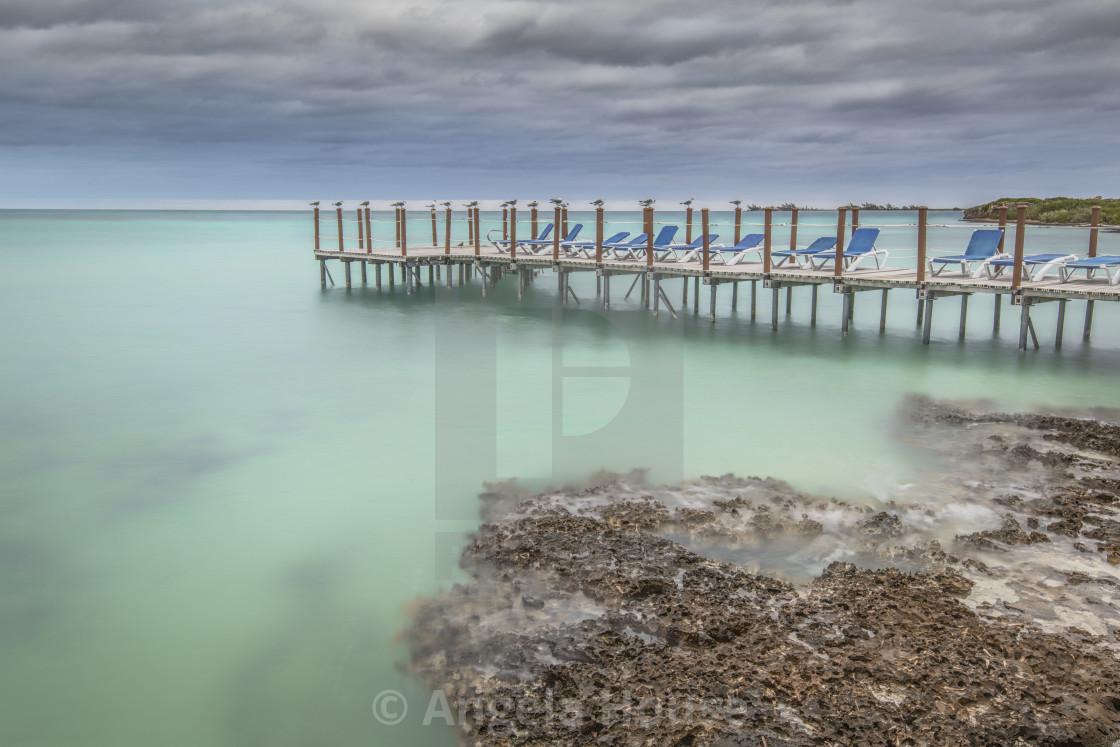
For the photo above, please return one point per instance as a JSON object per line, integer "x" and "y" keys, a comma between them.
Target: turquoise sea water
{"x": 222, "y": 485}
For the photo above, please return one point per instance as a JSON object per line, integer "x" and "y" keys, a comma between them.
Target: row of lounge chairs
{"x": 981, "y": 258}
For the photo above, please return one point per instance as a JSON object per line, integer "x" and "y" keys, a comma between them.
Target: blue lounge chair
{"x": 502, "y": 245}
{"x": 1035, "y": 266}
{"x": 983, "y": 247}
{"x": 730, "y": 255}
{"x": 614, "y": 247}
{"x": 823, "y": 244}
{"x": 637, "y": 251}
{"x": 543, "y": 246}
{"x": 586, "y": 249}
{"x": 860, "y": 247}
{"x": 669, "y": 253}
{"x": 1110, "y": 263}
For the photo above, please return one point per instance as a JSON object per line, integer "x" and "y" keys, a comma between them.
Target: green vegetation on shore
{"x": 1051, "y": 210}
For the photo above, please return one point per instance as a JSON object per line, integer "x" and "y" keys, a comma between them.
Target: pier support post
{"x": 928, "y": 323}
{"x": 996, "y": 313}
{"x": 813, "y": 307}
{"x": 847, "y": 314}
{"x": 754, "y": 299}
{"x": 774, "y": 308}
{"x": 449, "y": 279}
{"x": 656, "y": 295}
{"x": 789, "y": 300}
{"x": 392, "y": 274}
{"x": 363, "y": 273}
{"x": 735, "y": 296}
{"x": 696, "y": 295}
{"x": 607, "y": 291}
{"x": 346, "y": 273}
{"x": 712, "y": 310}
{"x": 323, "y": 273}
{"x": 684, "y": 294}
{"x": 408, "y": 279}
{"x": 431, "y": 275}
{"x": 883, "y": 313}
{"x": 1061, "y": 322}
{"x": 377, "y": 276}
{"x": 1024, "y": 322}
{"x": 921, "y": 309}
{"x": 964, "y": 314}
{"x": 1088, "y": 320}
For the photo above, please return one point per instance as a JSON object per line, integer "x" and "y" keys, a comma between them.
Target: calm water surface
{"x": 222, "y": 485}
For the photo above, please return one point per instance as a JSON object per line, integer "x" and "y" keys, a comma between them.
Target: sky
{"x": 194, "y": 103}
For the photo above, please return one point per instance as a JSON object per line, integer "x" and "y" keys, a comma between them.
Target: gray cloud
{"x": 549, "y": 95}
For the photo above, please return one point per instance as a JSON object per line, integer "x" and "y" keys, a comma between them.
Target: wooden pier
{"x": 477, "y": 257}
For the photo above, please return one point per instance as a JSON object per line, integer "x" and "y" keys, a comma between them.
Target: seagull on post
{"x": 398, "y": 204}
{"x": 556, "y": 201}
{"x": 737, "y": 203}
{"x": 688, "y": 202}
{"x": 314, "y": 204}
{"x": 597, "y": 203}
{"x": 446, "y": 204}
{"x": 365, "y": 204}
{"x": 647, "y": 203}
{"x": 533, "y": 204}
{"x": 338, "y": 204}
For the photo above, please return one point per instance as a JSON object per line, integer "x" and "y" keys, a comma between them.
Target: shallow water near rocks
{"x": 222, "y": 484}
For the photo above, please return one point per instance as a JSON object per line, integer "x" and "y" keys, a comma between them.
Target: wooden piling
{"x": 477, "y": 237}
{"x": 838, "y": 270}
{"x": 315, "y": 218}
{"x": 556, "y": 235}
{"x": 789, "y": 300}
{"x": 1061, "y": 323}
{"x": 754, "y": 299}
{"x": 392, "y": 274}
{"x": 883, "y": 313}
{"x": 846, "y": 313}
{"x": 599, "y": 226}
{"x": 735, "y": 296}
{"x": 1020, "y": 242}
{"x": 1024, "y": 323}
{"x": 855, "y": 219}
{"x": 768, "y": 217}
{"x": 774, "y": 307}
{"x": 1094, "y": 223}
{"x": 470, "y": 227}
{"x": 361, "y": 232}
{"x": 922, "y": 218}
{"x": 363, "y": 265}
{"x": 927, "y": 325}
{"x": 712, "y": 296}
{"x": 447, "y": 236}
{"x": 738, "y": 222}
{"x": 377, "y": 275}
{"x": 649, "y": 236}
{"x": 404, "y": 233}
{"x": 696, "y": 295}
{"x": 964, "y": 314}
{"x": 996, "y": 313}
{"x": 793, "y": 229}
{"x": 435, "y": 235}
{"x": 563, "y": 220}
{"x": 688, "y": 224}
{"x": 369, "y": 233}
{"x": 397, "y": 221}
{"x": 707, "y": 249}
{"x": 533, "y": 222}
{"x": 813, "y": 307}
{"x": 341, "y": 246}
{"x": 513, "y": 233}
{"x": 323, "y": 272}
{"x": 346, "y": 273}
{"x": 505, "y": 223}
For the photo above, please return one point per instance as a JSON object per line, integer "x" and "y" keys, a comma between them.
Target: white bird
{"x": 647, "y": 203}
{"x": 688, "y": 202}
{"x": 597, "y": 203}
{"x": 511, "y": 203}
{"x": 556, "y": 201}
{"x": 533, "y": 204}
{"x": 338, "y": 204}
{"x": 431, "y": 204}
{"x": 398, "y": 204}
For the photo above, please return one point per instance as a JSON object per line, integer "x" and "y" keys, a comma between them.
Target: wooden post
{"x": 447, "y": 237}
{"x": 533, "y": 222}
{"x": 556, "y": 235}
{"x": 883, "y": 313}
{"x": 369, "y": 233}
{"x": 563, "y": 220}
{"x": 813, "y": 307}
{"x": 505, "y": 223}
{"x": 688, "y": 224}
{"x": 995, "y": 314}
{"x": 1020, "y": 242}
{"x": 707, "y": 249}
{"x": 649, "y": 236}
{"x": 323, "y": 272}
{"x": 964, "y": 313}
{"x": 512, "y": 233}
{"x": 316, "y": 219}
{"x": 793, "y": 230}
{"x": 361, "y": 232}
{"x": 397, "y": 220}
{"x": 922, "y": 215}
{"x": 435, "y": 235}
{"x": 404, "y": 233}
{"x": 855, "y": 219}
{"x": 766, "y": 243}
{"x": 598, "y": 236}
{"x": 838, "y": 270}
{"x": 1061, "y": 323}
{"x": 341, "y": 248}
{"x": 477, "y": 236}
{"x": 738, "y": 223}
{"x": 346, "y": 273}
{"x": 470, "y": 227}
{"x": 1094, "y": 223}
{"x": 1002, "y": 225}
{"x": 927, "y": 323}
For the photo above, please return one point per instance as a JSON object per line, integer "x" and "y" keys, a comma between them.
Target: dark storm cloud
{"x": 578, "y": 89}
